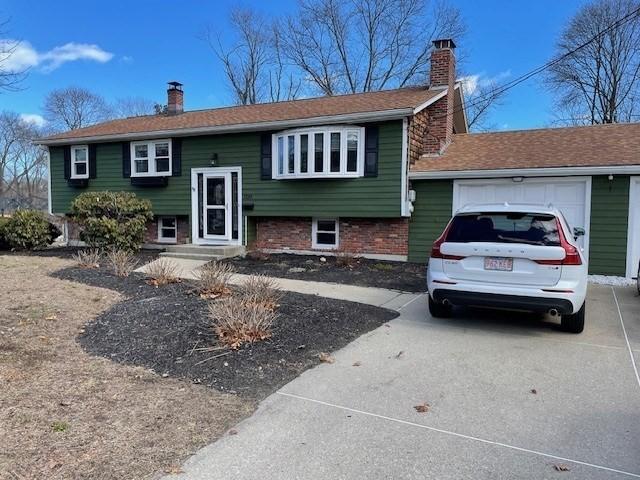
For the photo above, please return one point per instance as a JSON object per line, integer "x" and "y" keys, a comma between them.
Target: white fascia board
{"x": 527, "y": 172}
{"x": 374, "y": 116}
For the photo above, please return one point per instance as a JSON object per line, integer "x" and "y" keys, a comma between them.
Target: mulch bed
{"x": 142, "y": 257}
{"x": 162, "y": 328}
{"x": 404, "y": 276}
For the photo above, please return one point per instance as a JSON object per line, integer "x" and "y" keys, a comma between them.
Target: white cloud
{"x": 33, "y": 118}
{"x": 471, "y": 83}
{"x": 19, "y": 56}
{"x": 126, "y": 59}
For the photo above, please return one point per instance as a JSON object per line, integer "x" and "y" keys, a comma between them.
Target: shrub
{"x": 214, "y": 279}
{"x": 162, "y": 272}
{"x": 344, "y": 259}
{"x": 4, "y": 245}
{"x": 89, "y": 258}
{"x": 263, "y": 290}
{"x": 238, "y": 320}
{"x": 29, "y": 229}
{"x": 258, "y": 255}
{"x": 122, "y": 262}
{"x": 115, "y": 220}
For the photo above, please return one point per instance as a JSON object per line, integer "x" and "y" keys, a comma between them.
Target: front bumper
{"x": 512, "y": 302}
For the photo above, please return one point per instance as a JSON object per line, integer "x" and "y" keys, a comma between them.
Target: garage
{"x": 569, "y": 194}
{"x": 633, "y": 237}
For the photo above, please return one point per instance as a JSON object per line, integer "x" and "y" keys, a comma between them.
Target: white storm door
{"x": 216, "y": 205}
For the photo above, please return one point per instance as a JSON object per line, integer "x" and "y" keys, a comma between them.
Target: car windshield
{"x": 501, "y": 227}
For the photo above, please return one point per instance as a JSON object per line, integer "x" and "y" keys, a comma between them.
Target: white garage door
{"x": 570, "y": 195}
{"x": 633, "y": 236}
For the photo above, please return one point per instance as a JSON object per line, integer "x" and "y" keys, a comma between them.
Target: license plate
{"x": 498, "y": 263}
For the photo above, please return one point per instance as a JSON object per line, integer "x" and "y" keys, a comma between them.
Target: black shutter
{"x": 265, "y": 156}
{"x": 371, "y": 152}
{"x": 176, "y": 157}
{"x": 66, "y": 153}
{"x": 92, "y": 161}
{"x": 126, "y": 159}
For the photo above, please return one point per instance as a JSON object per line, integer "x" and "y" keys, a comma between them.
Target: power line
{"x": 509, "y": 85}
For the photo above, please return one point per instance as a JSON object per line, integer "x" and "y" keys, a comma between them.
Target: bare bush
{"x": 122, "y": 262}
{"x": 88, "y": 258}
{"x": 240, "y": 320}
{"x": 214, "y": 279}
{"x": 162, "y": 272}
{"x": 263, "y": 290}
{"x": 346, "y": 260}
{"x": 259, "y": 255}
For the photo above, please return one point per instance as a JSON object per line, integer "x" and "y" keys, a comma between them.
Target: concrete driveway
{"x": 477, "y": 373}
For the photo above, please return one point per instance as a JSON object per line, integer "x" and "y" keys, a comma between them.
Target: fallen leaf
{"x": 561, "y": 467}
{"x": 422, "y": 408}
{"x": 174, "y": 470}
{"x": 51, "y": 317}
{"x": 233, "y": 432}
{"x": 400, "y": 353}
{"x": 534, "y": 391}
{"x": 357, "y": 364}
{"x": 326, "y": 358}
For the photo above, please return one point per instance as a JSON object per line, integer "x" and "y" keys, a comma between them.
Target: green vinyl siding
{"x": 432, "y": 211}
{"x": 608, "y": 231}
{"x": 358, "y": 197}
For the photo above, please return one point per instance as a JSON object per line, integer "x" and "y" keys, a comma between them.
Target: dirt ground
{"x": 67, "y": 415}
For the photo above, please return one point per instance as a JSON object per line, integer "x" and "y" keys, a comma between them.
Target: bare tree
{"x": 366, "y": 45}
{"x": 481, "y": 97}
{"x": 75, "y": 107}
{"x": 599, "y": 82}
{"x": 9, "y": 78}
{"x": 133, "y": 107}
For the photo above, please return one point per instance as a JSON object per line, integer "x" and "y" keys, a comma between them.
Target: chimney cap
{"x": 444, "y": 43}
{"x": 175, "y": 85}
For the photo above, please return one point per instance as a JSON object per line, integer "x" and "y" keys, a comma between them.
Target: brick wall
{"x": 357, "y": 235}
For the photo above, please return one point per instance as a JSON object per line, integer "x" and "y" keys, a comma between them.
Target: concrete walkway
{"x": 379, "y": 297}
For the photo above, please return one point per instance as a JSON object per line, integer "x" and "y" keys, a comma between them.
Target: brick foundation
{"x": 357, "y": 236}
{"x": 183, "y": 233}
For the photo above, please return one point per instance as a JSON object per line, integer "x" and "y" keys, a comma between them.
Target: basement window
{"x": 151, "y": 158}
{"x": 79, "y": 161}
{"x": 167, "y": 230}
{"x": 325, "y": 233}
{"x": 319, "y": 152}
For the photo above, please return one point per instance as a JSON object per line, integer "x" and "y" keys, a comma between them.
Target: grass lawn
{"x": 67, "y": 414}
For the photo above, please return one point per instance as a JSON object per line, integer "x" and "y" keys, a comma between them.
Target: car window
{"x": 499, "y": 227}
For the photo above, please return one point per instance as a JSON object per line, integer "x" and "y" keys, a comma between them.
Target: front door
{"x": 216, "y": 208}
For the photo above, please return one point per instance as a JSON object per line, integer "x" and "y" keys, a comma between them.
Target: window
{"x": 529, "y": 228}
{"x": 167, "y": 229}
{"x": 80, "y": 161}
{"x": 325, "y": 233}
{"x": 336, "y": 151}
{"x": 151, "y": 158}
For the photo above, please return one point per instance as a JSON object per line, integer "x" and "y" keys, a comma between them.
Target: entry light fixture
{"x": 214, "y": 159}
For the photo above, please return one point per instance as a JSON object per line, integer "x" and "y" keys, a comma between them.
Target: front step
{"x": 202, "y": 252}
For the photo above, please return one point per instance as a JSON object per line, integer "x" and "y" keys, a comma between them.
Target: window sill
{"x": 333, "y": 176}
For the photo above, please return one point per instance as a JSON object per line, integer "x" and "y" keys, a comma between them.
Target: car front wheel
{"x": 574, "y": 323}
{"x": 438, "y": 310}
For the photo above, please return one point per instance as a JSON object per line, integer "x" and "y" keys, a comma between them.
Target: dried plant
{"x": 214, "y": 279}
{"x": 122, "y": 262}
{"x": 88, "y": 258}
{"x": 240, "y": 320}
{"x": 345, "y": 259}
{"x": 162, "y": 272}
{"x": 263, "y": 290}
{"x": 259, "y": 255}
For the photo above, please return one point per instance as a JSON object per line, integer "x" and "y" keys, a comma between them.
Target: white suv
{"x": 510, "y": 256}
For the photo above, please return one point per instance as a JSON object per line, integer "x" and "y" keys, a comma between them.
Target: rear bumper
{"x": 493, "y": 300}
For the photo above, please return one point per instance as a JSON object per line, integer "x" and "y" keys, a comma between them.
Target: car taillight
{"x": 571, "y": 253}
{"x": 435, "y": 249}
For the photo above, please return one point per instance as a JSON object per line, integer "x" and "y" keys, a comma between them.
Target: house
{"x": 375, "y": 174}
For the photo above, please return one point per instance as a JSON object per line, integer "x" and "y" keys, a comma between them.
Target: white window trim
{"x": 151, "y": 158}
{"x": 311, "y": 173}
{"x": 162, "y": 239}
{"x": 73, "y": 161}
{"x": 315, "y": 231}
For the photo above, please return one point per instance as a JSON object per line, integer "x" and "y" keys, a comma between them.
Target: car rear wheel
{"x": 574, "y": 323}
{"x": 438, "y": 310}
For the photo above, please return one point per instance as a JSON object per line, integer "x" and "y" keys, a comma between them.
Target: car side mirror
{"x": 578, "y": 232}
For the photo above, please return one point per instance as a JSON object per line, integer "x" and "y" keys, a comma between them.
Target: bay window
{"x": 334, "y": 151}
{"x": 79, "y": 161}
{"x": 151, "y": 158}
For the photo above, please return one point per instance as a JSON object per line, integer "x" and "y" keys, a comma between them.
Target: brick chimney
{"x": 175, "y": 98}
{"x": 439, "y": 129}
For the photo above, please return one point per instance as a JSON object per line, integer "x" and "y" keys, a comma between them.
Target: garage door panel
{"x": 568, "y": 195}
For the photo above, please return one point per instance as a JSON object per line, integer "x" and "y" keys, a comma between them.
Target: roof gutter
{"x": 527, "y": 172}
{"x": 377, "y": 116}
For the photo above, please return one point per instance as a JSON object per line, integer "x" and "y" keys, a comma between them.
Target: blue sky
{"x": 132, "y": 48}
